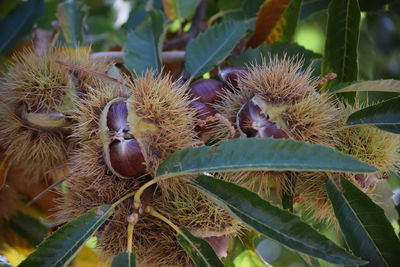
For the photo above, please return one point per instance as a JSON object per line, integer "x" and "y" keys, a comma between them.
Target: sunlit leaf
{"x": 392, "y": 86}
{"x": 272, "y": 221}
{"x": 259, "y": 154}
{"x": 385, "y": 115}
{"x": 364, "y": 225}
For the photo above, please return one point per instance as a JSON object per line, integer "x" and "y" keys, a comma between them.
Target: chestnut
{"x": 254, "y": 123}
{"x": 231, "y": 74}
{"x": 207, "y": 90}
{"x": 122, "y": 151}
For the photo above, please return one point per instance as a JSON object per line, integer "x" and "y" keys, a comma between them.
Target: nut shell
{"x": 122, "y": 151}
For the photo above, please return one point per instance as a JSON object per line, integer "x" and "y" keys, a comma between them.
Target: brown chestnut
{"x": 254, "y": 123}
{"x": 207, "y": 90}
{"x": 231, "y": 74}
{"x": 122, "y": 151}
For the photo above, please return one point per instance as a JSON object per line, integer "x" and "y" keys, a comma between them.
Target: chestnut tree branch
{"x": 117, "y": 56}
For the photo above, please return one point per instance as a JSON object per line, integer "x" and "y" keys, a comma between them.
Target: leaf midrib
{"x": 346, "y": 29}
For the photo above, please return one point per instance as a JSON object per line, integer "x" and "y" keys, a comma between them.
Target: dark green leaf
{"x": 364, "y": 225}
{"x": 368, "y": 5}
{"x": 7, "y": 6}
{"x": 60, "y": 248}
{"x": 28, "y": 227}
{"x": 385, "y": 114}
{"x": 224, "y": 5}
{"x": 291, "y": 17}
{"x": 251, "y": 7}
{"x": 144, "y": 44}
{"x": 310, "y": 7}
{"x": 71, "y": 22}
{"x": 255, "y": 55}
{"x": 18, "y": 23}
{"x": 136, "y": 16}
{"x": 259, "y": 154}
{"x": 272, "y": 221}
{"x": 342, "y": 42}
{"x": 365, "y": 64}
{"x": 124, "y": 259}
{"x": 201, "y": 253}
{"x": 212, "y": 46}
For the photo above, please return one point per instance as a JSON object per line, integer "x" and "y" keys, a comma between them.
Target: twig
{"x": 78, "y": 68}
{"x": 117, "y": 56}
{"x": 41, "y": 194}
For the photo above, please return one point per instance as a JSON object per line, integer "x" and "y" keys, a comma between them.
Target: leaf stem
{"x": 150, "y": 210}
{"x": 130, "y": 237}
{"x": 136, "y": 203}
{"x": 131, "y": 194}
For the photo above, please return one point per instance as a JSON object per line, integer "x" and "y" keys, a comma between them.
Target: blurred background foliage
{"x": 106, "y": 27}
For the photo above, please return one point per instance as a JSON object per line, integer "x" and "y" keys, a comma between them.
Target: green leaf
{"x": 385, "y": 114}
{"x": 28, "y": 227}
{"x": 290, "y": 17}
{"x": 180, "y": 9}
{"x": 272, "y": 221}
{"x": 124, "y": 259}
{"x": 342, "y": 42}
{"x": 392, "y": 86}
{"x": 364, "y": 225}
{"x": 201, "y": 253}
{"x": 18, "y": 23}
{"x": 311, "y": 7}
{"x": 7, "y": 6}
{"x": 136, "y": 16}
{"x": 279, "y": 49}
{"x": 144, "y": 44}
{"x": 259, "y": 154}
{"x": 71, "y": 22}
{"x": 224, "y": 5}
{"x": 60, "y": 248}
{"x": 212, "y": 46}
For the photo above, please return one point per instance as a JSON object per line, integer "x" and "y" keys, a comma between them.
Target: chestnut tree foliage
{"x": 218, "y": 49}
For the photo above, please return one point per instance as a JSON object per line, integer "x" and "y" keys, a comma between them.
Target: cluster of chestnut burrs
{"x": 111, "y": 131}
